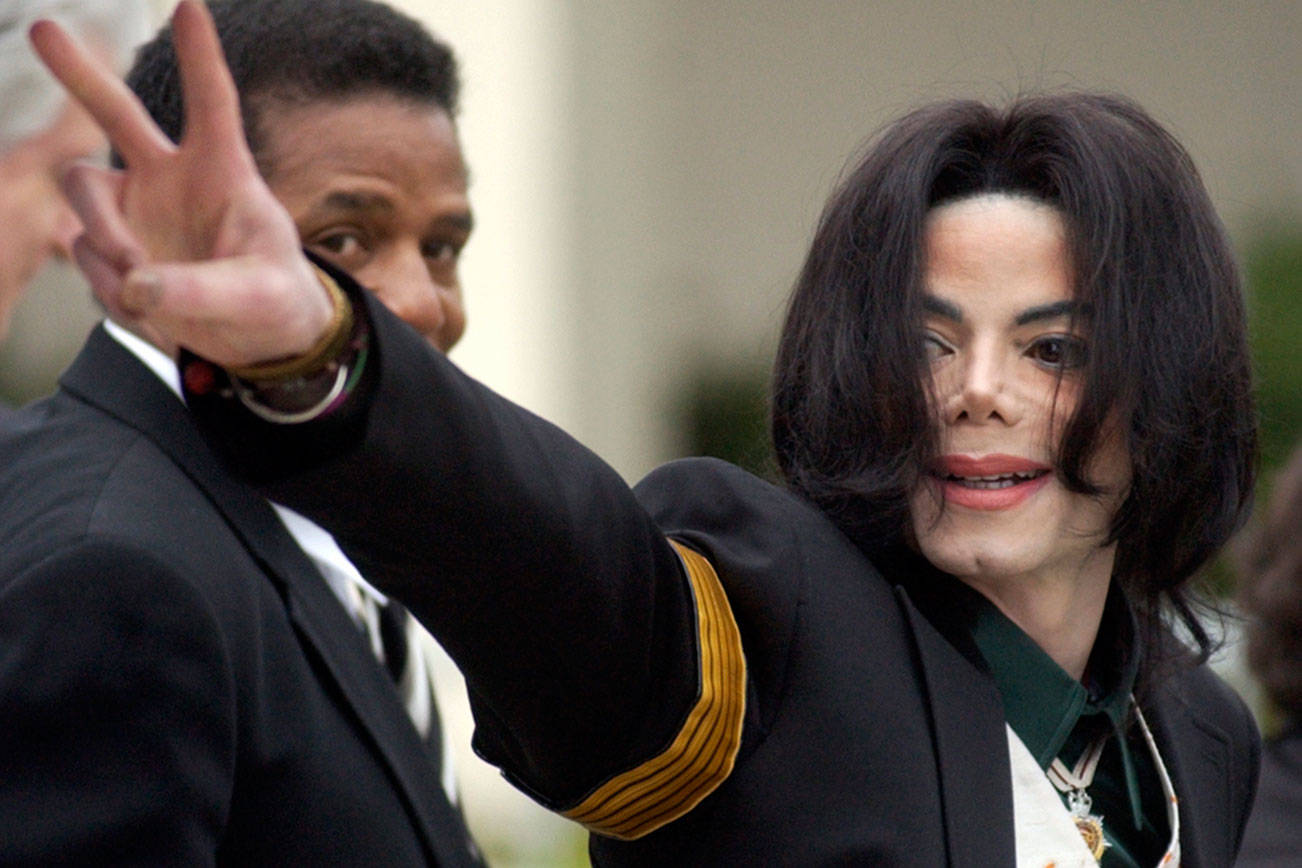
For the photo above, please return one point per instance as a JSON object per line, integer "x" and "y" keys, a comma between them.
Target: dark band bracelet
{"x": 322, "y": 353}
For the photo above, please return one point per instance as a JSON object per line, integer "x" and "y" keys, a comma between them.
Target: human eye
{"x": 934, "y": 347}
{"x": 340, "y": 243}
{"x": 1058, "y": 352}
{"x": 442, "y": 252}
{"x": 345, "y": 247}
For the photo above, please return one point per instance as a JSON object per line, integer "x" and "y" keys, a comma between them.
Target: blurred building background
{"x": 646, "y": 176}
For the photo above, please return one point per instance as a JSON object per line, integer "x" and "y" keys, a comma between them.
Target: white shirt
{"x": 344, "y": 579}
{"x": 313, "y": 539}
{"x": 1045, "y": 833}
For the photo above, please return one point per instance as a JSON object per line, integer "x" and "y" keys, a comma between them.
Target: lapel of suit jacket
{"x": 971, "y": 749}
{"x": 109, "y": 377}
{"x": 1197, "y": 757}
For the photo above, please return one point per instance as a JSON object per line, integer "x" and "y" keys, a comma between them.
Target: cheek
{"x": 454, "y": 320}
{"x": 28, "y": 220}
{"x": 1110, "y": 468}
{"x": 1049, "y": 407}
{"x": 1061, "y": 400}
{"x": 943, "y": 382}
{"x": 927, "y": 516}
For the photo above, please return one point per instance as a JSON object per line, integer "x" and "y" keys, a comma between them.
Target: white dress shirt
{"x": 358, "y": 597}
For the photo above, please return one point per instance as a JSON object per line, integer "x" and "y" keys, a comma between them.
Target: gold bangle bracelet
{"x": 324, "y": 351}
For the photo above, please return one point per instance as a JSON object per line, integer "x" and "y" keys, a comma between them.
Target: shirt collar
{"x": 1041, "y": 701}
{"x": 163, "y": 365}
{"x": 314, "y": 540}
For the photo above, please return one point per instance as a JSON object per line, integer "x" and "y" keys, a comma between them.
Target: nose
{"x": 407, "y": 287}
{"x": 982, "y": 393}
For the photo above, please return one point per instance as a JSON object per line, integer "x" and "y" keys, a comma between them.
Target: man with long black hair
{"x": 1012, "y": 409}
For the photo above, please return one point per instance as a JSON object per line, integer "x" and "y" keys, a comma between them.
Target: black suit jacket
{"x": 1274, "y": 835}
{"x": 869, "y": 737}
{"x": 178, "y": 685}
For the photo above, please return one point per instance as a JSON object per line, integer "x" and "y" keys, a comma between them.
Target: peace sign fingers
{"x": 108, "y": 100}
{"x": 212, "y": 105}
{"x": 187, "y": 242}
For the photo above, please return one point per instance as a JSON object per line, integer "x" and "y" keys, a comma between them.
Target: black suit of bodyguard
{"x": 178, "y": 685}
{"x": 818, "y": 717}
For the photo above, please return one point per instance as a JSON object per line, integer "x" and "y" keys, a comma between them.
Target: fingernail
{"x": 140, "y": 292}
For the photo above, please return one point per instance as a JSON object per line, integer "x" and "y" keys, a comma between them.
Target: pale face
{"x": 35, "y": 221}
{"x": 998, "y": 289}
{"x": 377, "y": 186}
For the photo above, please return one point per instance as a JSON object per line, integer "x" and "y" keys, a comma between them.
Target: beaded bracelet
{"x": 303, "y": 399}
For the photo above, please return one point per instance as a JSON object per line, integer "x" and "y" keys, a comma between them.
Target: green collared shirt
{"x": 1057, "y": 716}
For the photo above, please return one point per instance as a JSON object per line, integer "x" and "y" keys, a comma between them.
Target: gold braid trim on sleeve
{"x": 667, "y": 786}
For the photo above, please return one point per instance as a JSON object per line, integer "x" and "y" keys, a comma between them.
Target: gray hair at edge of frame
{"x": 30, "y": 98}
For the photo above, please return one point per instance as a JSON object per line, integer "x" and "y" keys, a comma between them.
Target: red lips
{"x": 990, "y": 482}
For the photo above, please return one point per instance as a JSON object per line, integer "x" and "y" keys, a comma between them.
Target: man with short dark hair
{"x": 190, "y": 673}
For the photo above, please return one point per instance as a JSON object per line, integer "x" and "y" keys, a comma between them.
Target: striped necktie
{"x": 394, "y": 637}
{"x": 391, "y": 632}
{"x": 396, "y": 640}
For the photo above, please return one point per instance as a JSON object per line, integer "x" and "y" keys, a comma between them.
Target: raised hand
{"x": 187, "y": 244}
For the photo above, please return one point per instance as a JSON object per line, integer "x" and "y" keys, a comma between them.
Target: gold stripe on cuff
{"x": 668, "y": 785}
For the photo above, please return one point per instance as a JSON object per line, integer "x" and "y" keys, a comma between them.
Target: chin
{"x": 987, "y": 545}
{"x": 983, "y": 557}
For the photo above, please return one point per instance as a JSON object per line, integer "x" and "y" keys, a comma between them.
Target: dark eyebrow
{"x": 1066, "y": 308}
{"x": 465, "y": 221}
{"x": 940, "y": 307}
{"x": 354, "y": 201}
{"x": 348, "y": 200}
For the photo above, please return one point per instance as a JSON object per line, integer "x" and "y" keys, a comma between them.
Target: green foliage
{"x": 1273, "y": 268}
{"x": 725, "y": 415}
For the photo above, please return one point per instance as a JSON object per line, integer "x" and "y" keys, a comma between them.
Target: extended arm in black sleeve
{"x": 601, "y": 660}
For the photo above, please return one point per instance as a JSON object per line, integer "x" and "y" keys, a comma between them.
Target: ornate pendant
{"x": 1091, "y": 829}
{"x": 1089, "y": 825}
